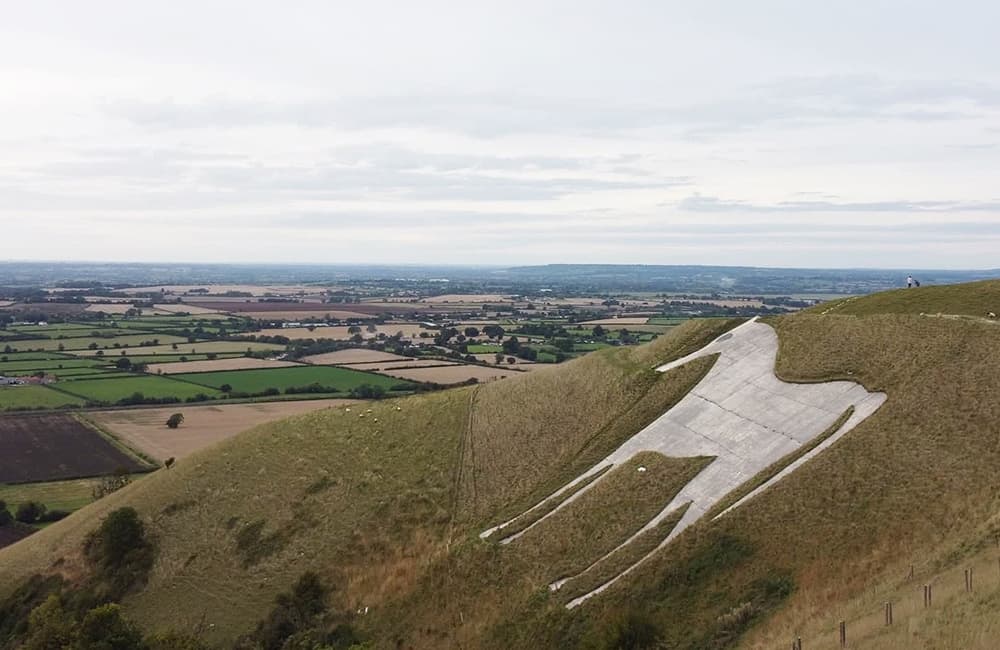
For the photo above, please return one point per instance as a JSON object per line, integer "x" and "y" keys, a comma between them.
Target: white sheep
{"x": 991, "y": 314}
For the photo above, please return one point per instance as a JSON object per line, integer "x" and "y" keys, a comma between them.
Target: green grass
{"x": 32, "y": 397}
{"x": 972, "y": 299}
{"x": 201, "y": 347}
{"x": 405, "y": 493}
{"x": 47, "y": 364}
{"x": 171, "y": 358}
{"x": 64, "y": 372}
{"x": 589, "y": 347}
{"x": 255, "y": 381}
{"x": 56, "y": 495}
{"x": 484, "y": 348}
{"x": 83, "y": 343}
{"x": 31, "y": 356}
{"x": 61, "y": 332}
{"x": 151, "y": 386}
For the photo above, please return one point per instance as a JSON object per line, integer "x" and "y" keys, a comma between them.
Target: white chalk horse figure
{"x": 741, "y": 414}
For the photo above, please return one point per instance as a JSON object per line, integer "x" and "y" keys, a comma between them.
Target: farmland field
{"x": 353, "y": 355}
{"x": 404, "y": 363}
{"x": 201, "y": 347}
{"x": 145, "y": 430}
{"x": 484, "y": 348}
{"x": 47, "y": 364}
{"x": 50, "y": 447}
{"x": 455, "y": 374}
{"x": 31, "y": 356}
{"x": 24, "y": 397}
{"x": 235, "y": 363}
{"x": 83, "y": 343}
{"x": 56, "y": 495}
{"x": 151, "y": 386}
{"x": 255, "y": 381}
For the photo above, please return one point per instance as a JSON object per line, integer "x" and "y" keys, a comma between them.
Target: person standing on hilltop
{"x": 909, "y": 281}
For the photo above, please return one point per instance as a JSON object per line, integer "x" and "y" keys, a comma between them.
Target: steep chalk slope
{"x": 742, "y": 415}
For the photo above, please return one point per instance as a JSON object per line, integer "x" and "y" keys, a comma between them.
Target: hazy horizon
{"x": 776, "y": 135}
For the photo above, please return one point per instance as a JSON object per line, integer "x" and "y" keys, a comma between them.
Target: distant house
{"x": 7, "y": 381}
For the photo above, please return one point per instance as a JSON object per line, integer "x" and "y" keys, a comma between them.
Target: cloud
{"x": 711, "y": 204}
{"x": 786, "y": 102}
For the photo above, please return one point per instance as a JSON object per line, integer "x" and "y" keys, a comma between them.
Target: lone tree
{"x": 175, "y": 420}
{"x": 168, "y": 463}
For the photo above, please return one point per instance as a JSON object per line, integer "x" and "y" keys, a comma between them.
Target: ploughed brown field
{"x": 51, "y": 447}
{"x": 146, "y": 429}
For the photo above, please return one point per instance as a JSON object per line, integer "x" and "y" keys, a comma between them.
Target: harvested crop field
{"x": 354, "y": 355}
{"x": 255, "y": 381}
{"x": 468, "y": 297}
{"x": 455, "y": 374}
{"x": 145, "y": 429}
{"x": 50, "y": 447}
{"x": 235, "y": 363}
{"x": 395, "y": 365}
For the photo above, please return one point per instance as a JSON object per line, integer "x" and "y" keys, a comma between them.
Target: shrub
{"x": 52, "y": 515}
{"x": 5, "y": 516}
{"x": 29, "y": 512}
{"x": 175, "y": 420}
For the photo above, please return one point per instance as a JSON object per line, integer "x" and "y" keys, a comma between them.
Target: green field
{"x": 484, "y": 348}
{"x": 200, "y": 347}
{"x": 255, "y": 381}
{"x": 589, "y": 347}
{"x": 171, "y": 358}
{"x": 74, "y": 331}
{"x": 84, "y": 343}
{"x": 60, "y": 372}
{"x": 31, "y": 356}
{"x": 13, "y": 397}
{"x": 45, "y": 328}
{"x": 151, "y": 386}
{"x": 56, "y": 495}
{"x": 46, "y": 364}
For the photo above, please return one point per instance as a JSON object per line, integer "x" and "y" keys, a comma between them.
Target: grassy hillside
{"x": 975, "y": 299}
{"x": 376, "y": 498}
{"x": 387, "y": 505}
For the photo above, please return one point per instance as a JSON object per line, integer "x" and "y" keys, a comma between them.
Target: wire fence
{"x": 901, "y": 612}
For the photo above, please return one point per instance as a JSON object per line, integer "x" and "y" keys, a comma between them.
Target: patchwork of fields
{"x": 255, "y": 381}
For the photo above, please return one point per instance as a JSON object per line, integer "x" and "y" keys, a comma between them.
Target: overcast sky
{"x": 799, "y": 133}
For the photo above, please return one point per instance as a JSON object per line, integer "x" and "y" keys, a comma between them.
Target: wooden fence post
{"x": 843, "y": 634}
{"x": 888, "y": 613}
{"x": 927, "y": 595}
{"x": 968, "y": 579}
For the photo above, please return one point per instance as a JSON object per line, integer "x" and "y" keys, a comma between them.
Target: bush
{"x": 293, "y": 612}
{"x": 5, "y": 516}
{"x": 29, "y": 512}
{"x": 367, "y": 391}
{"x": 52, "y": 515}
{"x": 175, "y": 420}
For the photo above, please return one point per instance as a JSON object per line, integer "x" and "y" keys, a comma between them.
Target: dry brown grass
{"x": 236, "y": 363}
{"x": 396, "y": 365}
{"x": 530, "y": 437}
{"x": 203, "y": 426}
